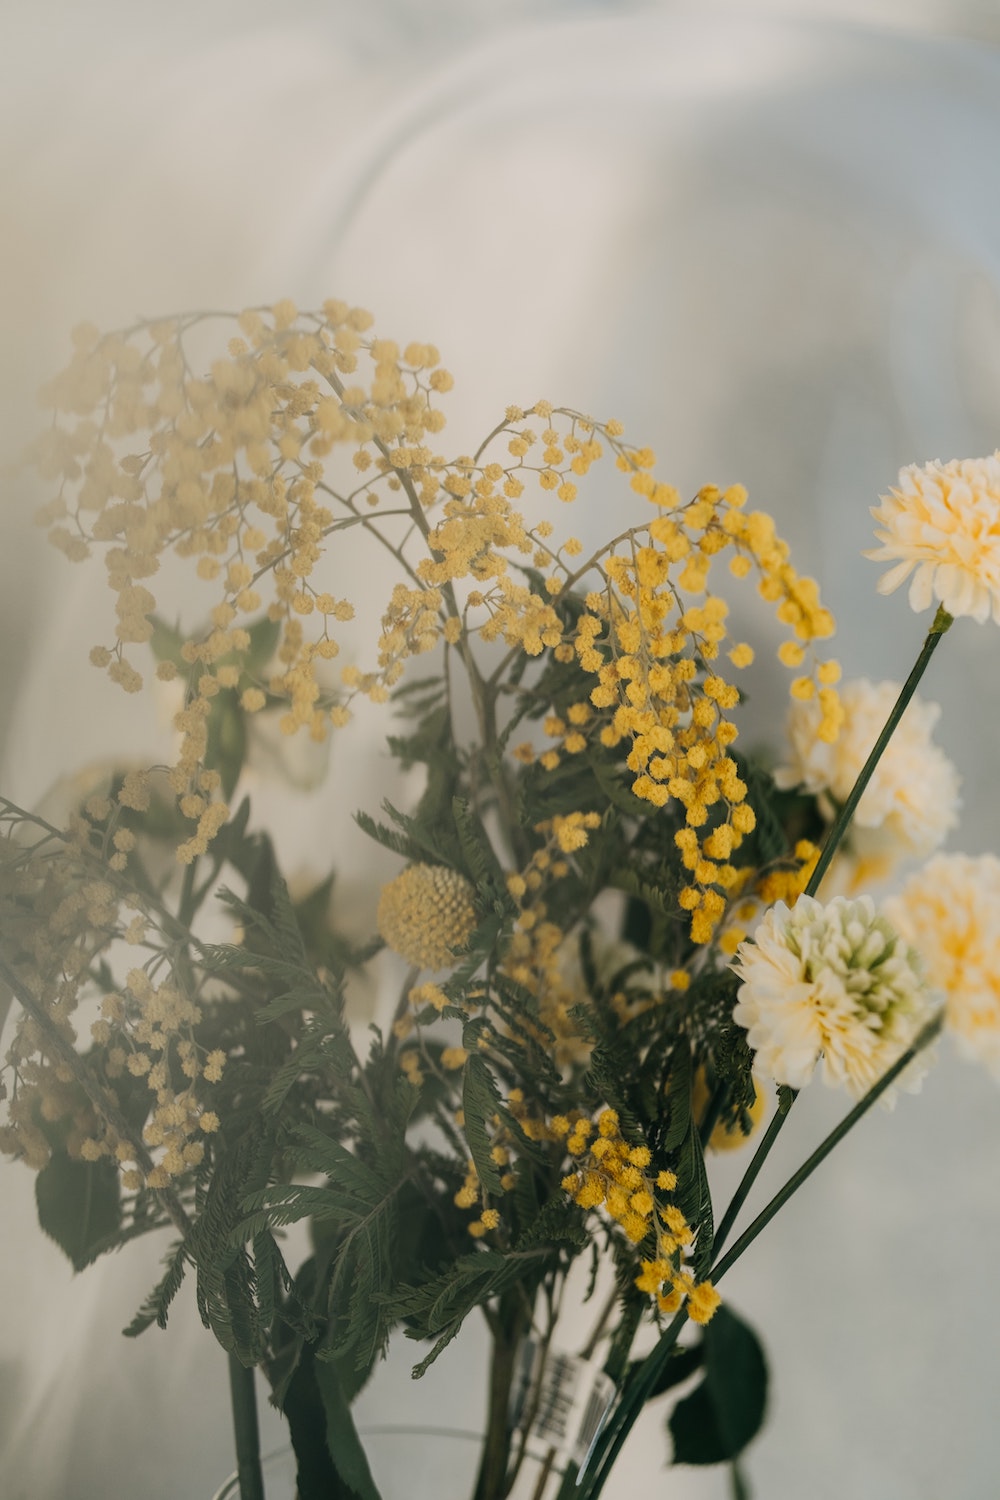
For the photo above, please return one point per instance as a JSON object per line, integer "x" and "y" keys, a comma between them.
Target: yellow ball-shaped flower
{"x": 426, "y": 914}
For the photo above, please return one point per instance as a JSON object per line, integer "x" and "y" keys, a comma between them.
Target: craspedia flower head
{"x": 951, "y": 910}
{"x": 912, "y": 800}
{"x": 427, "y": 914}
{"x": 941, "y": 523}
{"x": 832, "y": 981}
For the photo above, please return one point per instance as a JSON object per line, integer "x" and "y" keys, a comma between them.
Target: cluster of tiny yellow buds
{"x": 787, "y": 882}
{"x": 614, "y": 1176}
{"x": 146, "y": 1031}
{"x": 530, "y": 1122}
{"x": 488, "y": 1219}
{"x": 651, "y": 642}
{"x": 427, "y": 914}
{"x": 411, "y": 625}
{"x": 409, "y": 1061}
{"x": 226, "y": 468}
{"x": 469, "y": 1193}
{"x": 662, "y": 1279}
{"x": 60, "y": 912}
{"x": 538, "y": 955}
{"x": 422, "y": 995}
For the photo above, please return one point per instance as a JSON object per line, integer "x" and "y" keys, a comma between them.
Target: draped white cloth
{"x": 770, "y": 244}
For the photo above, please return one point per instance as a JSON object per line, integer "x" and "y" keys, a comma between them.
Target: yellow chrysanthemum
{"x": 944, "y": 521}
{"x": 427, "y": 914}
{"x": 950, "y": 911}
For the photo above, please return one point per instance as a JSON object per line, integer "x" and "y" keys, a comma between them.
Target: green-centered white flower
{"x": 830, "y": 982}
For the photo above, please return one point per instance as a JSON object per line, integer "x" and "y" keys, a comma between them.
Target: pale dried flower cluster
{"x": 950, "y": 911}
{"x": 941, "y": 523}
{"x": 911, "y": 803}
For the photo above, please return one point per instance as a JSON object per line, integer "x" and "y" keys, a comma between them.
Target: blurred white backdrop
{"x": 767, "y": 238}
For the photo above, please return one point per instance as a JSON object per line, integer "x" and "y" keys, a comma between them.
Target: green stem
{"x": 942, "y": 621}
{"x": 635, "y": 1396}
{"x": 716, "y": 1104}
{"x": 589, "y": 1485}
{"x": 823, "y": 1150}
{"x": 491, "y": 1481}
{"x": 243, "y": 1398}
{"x": 750, "y": 1175}
{"x": 633, "y": 1400}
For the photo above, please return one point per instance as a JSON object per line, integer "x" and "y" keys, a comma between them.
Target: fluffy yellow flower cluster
{"x": 538, "y": 956}
{"x": 146, "y": 1029}
{"x": 653, "y": 653}
{"x": 62, "y": 909}
{"x": 613, "y": 1175}
{"x": 231, "y": 469}
{"x": 228, "y": 469}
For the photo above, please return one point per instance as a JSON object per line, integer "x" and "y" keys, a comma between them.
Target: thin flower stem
{"x": 589, "y": 1485}
{"x": 635, "y": 1396}
{"x": 823, "y": 1150}
{"x": 243, "y": 1398}
{"x": 750, "y": 1175}
{"x": 942, "y": 621}
{"x": 633, "y": 1400}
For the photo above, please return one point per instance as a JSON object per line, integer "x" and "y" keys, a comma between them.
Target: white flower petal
{"x": 944, "y": 520}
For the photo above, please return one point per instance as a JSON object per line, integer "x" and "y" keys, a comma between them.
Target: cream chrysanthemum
{"x": 427, "y": 914}
{"x": 951, "y": 910}
{"x": 944, "y": 521}
{"x": 912, "y": 800}
{"x": 829, "y": 981}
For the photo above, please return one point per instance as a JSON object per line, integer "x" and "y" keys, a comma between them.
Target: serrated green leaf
{"x": 694, "y": 1197}
{"x": 480, "y": 857}
{"x": 387, "y": 837}
{"x": 154, "y": 1309}
{"x": 79, "y": 1205}
{"x": 480, "y": 1099}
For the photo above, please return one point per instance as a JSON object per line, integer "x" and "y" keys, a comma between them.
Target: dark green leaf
{"x": 154, "y": 1309}
{"x": 480, "y": 1097}
{"x": 342, "y": 1436}
{"x": 166, "y": 642}
{"x": 682, "y": 1363}
{"x": 78, "y": 1205}
{"x": 264, "y": 635}
{"x": 726, "y": 1410}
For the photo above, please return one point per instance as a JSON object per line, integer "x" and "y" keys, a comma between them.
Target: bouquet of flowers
{"x": 604, "y": 940}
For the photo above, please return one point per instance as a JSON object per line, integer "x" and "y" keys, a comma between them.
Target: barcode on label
{"x": 560, "y": 1399}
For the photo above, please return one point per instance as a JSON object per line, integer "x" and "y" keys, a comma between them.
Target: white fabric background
{"x": 768, "y": 239}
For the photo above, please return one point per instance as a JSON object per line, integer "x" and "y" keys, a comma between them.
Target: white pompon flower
{"x": 950, "y": 909}
{"x": 830, "y": 981}
{"x": 943, "y": 521}
{"x": 911, "y": 802}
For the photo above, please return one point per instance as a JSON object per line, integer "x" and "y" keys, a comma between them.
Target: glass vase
{"x": 412, "y": 1463}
